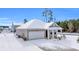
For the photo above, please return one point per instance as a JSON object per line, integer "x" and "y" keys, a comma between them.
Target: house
{"x": 37, "y": 29}
{"x": 3, "y": 27}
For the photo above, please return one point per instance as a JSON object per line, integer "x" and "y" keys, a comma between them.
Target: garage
{"x": 36, "y": 35}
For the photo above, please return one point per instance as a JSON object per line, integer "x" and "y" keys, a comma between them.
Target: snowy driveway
{"x": 68, "y": 44}
{"x": 9, "y": 42}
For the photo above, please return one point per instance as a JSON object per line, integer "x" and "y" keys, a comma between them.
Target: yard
{"x": 9, "y": 42}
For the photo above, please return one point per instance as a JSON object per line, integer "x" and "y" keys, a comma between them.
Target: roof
{"x": 51, "y": 24}
{"x": 55, "y": 28}
{"x": 33, "y": 24}
{"x": 36, "y": 24}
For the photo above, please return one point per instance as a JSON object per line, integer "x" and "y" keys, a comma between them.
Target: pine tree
{"x": 25, "y": 20}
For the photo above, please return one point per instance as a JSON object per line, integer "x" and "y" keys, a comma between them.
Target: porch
{"x": 53, "y": 32}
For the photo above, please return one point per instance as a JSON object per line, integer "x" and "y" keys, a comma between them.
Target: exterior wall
{"x": 36, "y": 34}
{"x": 31, "y": 34}
{"x": 54, "y": 33}
{"x": 18, "y": 31}
{"x": 21, "y": 32}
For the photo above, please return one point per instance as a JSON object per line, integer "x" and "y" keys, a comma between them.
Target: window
{"x": 59, "y": 30}
{"x": 54, "y": 32}
{"x": 50, "y": 32}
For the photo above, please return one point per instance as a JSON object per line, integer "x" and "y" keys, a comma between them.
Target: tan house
{"x": 37, "y": 29}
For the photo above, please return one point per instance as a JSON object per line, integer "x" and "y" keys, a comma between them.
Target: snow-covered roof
{"x": 36, "y": 24}
{"x": 33, "y": 24}
{"x": 55, "y": 28}
{"x": 51, "y": 24}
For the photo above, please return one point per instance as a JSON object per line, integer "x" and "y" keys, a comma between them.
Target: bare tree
{"x": 71, "y": 27}
{"x": 13, "y": 27}
{"x": 45, "y": 14}
{"x": 48, "y": 15}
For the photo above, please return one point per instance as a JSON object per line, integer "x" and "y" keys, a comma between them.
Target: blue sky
{"x": 16, "y": 15}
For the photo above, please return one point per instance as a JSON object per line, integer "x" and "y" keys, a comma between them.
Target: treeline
{"x": 71, "y": 25}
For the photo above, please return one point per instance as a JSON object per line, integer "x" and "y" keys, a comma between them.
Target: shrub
{"x": 78, "y": 40}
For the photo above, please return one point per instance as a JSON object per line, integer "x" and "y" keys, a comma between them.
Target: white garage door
{"x": 36, "y": 34}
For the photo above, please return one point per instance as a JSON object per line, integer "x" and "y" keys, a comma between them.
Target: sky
{"x": 17, "y": 15}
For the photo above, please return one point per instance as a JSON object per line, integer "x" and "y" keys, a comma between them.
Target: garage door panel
{"x": 36, "y": 34}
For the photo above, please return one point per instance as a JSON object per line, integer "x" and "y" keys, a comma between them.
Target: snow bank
{"x": 8, "y": 42}
{"x": 59, "y": 45}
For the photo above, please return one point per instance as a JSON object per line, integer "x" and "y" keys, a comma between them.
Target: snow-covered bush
{"x": 59, "y": 38}
{"x": 23, "y": 36}
{"x": 64, "y": 36}
{"x": 78, "y": 40}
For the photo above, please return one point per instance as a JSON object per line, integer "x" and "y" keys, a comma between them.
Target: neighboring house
{"x": 3, "y": 27}
{"x": 37, "y": 29}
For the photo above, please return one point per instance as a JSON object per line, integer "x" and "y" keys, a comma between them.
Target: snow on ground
{"x": 69, "y": 44}
{"x": 9, "y": 42}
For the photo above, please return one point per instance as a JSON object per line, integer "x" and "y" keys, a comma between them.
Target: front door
{"x": 46, "y": 34}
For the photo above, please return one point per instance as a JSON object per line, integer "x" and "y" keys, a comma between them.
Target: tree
{"x": 70, "y": 26}
{"x": 48, "y": 15}
{"x": 58, "y": 22}
{"x": 45, "y": 14}
{"x": 25, "y": 20}
{"x": 13, "y": 29}
{"x": 63, "y": 24}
